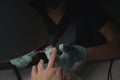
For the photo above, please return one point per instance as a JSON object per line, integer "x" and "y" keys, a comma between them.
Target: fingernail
{"x": 33, "y": 66}
{"x": 54, "y": 48}
{"x": 41, "y": 60}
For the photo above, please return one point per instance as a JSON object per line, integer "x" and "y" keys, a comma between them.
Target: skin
{"x": 109, "y": 50}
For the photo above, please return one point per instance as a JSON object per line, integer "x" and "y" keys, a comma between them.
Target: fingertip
{"x": 40, "y": 66}
{"x": 52, "y": 58}
{"x": 33, "y": 72}
{"x": 54, "y": 49}
{"x": 61, "y": 46}
{"x": 33, "y": 67}
{"x": 41, "y": 61}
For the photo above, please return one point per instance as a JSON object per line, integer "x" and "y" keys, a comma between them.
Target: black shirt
{"x": 86, "y": 16}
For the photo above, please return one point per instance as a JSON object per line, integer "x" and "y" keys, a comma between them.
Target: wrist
{"x": 81, "y": 53}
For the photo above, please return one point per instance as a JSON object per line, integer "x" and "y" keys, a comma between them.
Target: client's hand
{"x": 50, "y": 73}
{"x": 22, "y": 61}
{"x": 70, "y": 55}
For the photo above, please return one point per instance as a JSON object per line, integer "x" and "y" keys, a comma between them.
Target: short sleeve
{"x": 92, "y": 17}
{"x": 96, "y": 15}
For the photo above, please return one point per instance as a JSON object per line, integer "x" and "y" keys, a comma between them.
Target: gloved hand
{"x": 70, "y": 55}
{"x": 22, "y": 61}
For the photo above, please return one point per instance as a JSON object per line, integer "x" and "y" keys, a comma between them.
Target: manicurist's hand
{"x": 50, "y": 72}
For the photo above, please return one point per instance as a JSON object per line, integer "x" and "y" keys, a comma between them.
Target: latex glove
{"x": 70, "y": 55}
{"x": 22, "y": 61}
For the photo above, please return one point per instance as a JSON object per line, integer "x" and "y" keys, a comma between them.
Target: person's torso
{"x": 73, "y": 28}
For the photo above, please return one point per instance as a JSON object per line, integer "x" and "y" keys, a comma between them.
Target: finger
{"x": 66, "y": 77}
{"x": 62, "y": 47}
{"x": 59, "y": 71}
{"x": 33, "y": 73}
{"x": 40, "y": 65}
{"x": 59, "y": 68}
{"x": 52, "y": 58}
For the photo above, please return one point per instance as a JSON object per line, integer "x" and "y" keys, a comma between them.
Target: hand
{"x": 22, "y": 61}
{"x": 70, "y": 55}
{"x": 50, "y": 73}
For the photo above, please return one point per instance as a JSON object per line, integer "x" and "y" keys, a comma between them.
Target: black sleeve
{"x": 93, "y": 17}
{"x": 96, "y": 15}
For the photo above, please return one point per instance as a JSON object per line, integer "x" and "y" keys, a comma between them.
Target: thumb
{"x": 64, "y": 47}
